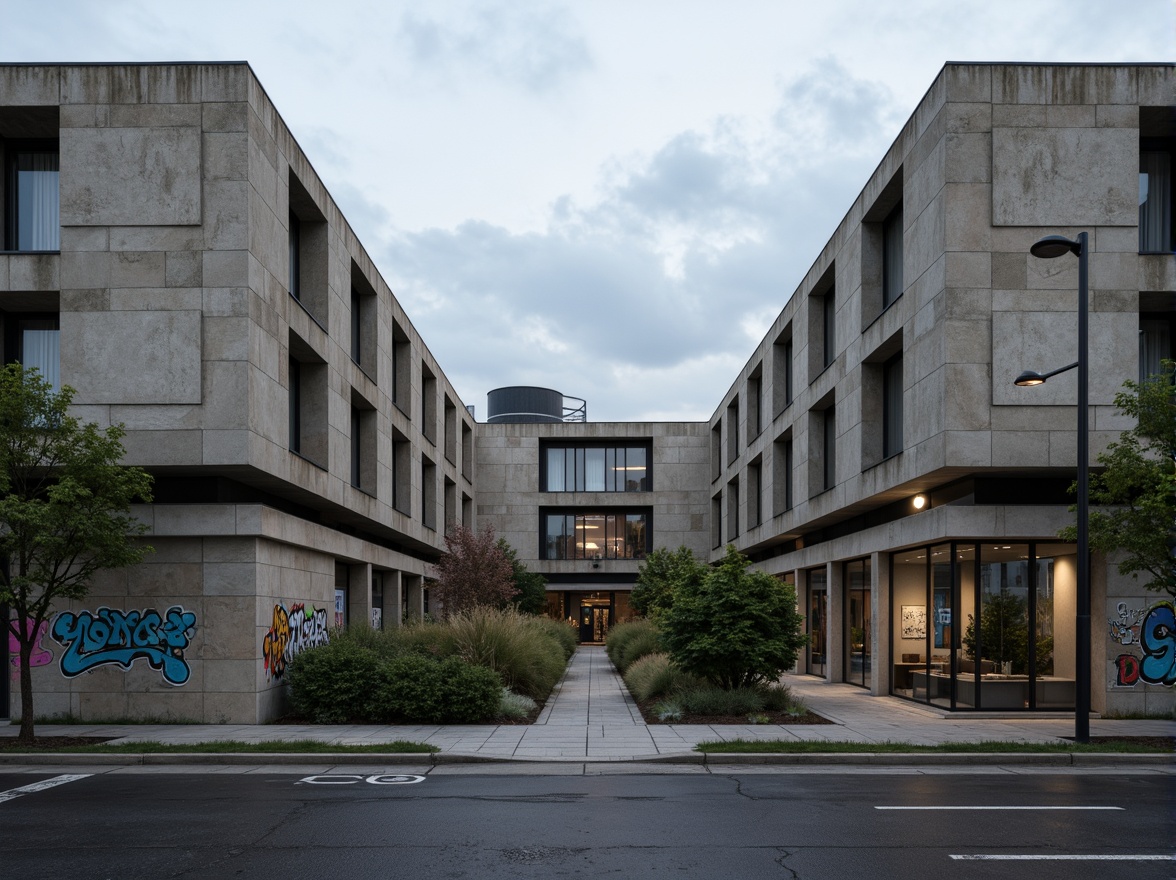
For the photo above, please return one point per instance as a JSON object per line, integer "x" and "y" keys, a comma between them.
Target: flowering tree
{"x": 473, "y": 571}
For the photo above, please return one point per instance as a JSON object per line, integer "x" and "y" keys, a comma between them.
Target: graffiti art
{"x": 291, "y": 633}
{"x": 110, "y": 636}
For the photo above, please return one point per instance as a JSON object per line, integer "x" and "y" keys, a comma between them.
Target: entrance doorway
{"x": 818, "y": 619}
{"x": 594, "y": 622}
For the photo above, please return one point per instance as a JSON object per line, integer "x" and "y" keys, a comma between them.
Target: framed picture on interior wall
{"x": 914, "y": 621}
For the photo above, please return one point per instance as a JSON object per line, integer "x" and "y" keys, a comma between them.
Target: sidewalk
{"x": 591, "y": 717}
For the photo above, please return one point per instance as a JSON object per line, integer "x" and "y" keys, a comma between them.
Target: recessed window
{"x": 307, "y": 378}
{"x": 892, "y": 406}
{"x": 755, "y": 402}
{"x": 829, "y": 447}
{"x": 1157, "y": 185}
{"x": 363, "y": 444}
{"x": 892, "y": 280}
{"x": 782, "y": 475}
{"x": 615, "y": 534}
{"x": 603, "y": 468}
{"x": 307, "y": 245}
{"x": 755, "y": 491}
{"x": 732, "y": 425}
{"x": 33, "y": 209}
{"x": 401, "y": 473}
{"x": 428, "y": 403}
{"x": 732, "y": 510}
{"x": 428, "y": 493}
{"x": 36, "y": 342}
{"x": 782, "y": 371}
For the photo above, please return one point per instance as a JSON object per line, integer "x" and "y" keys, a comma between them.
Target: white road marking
{"x": 344, "y": 779}
{"x": 1125, "y": 857}
{"x": 1002, "y": 809}
{"x": 14, "y": 793}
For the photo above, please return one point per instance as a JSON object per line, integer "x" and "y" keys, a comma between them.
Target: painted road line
{"x": 14, "y": 793}
{"x": 347, "y": 779}
{"x": 1022, "y": 807}
{"x": 1125, "y": 857}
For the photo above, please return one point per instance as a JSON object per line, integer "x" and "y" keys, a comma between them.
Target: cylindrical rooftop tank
{"x": 524, "y": 404}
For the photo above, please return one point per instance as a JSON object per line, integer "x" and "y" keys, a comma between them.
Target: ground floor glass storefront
{"x": 592, "y": 613}
{"x": 984, "y": 625}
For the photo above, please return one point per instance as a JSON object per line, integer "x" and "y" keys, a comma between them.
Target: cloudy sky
{"x": 613, "y": 198}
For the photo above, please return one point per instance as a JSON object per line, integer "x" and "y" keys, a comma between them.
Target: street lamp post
{"x": 1047, "y": 248}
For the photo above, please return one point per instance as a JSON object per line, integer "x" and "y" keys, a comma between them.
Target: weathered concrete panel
{"x": 132, "y": 357}
{"x": 1065, "y": 176}
{"x": 130, "y": 176}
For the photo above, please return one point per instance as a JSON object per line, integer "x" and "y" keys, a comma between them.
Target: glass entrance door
{"x": 858, "y": 640}
{"x": 817, "y": 618}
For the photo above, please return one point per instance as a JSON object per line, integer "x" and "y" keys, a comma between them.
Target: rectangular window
{"x": 428, "y": 493}
{"x": 37, "y": 344}
{"x": 754, "y": 402}
{"x": 1155, "y": 343}
{"x": 295, "y": 241}
{"x": 295, "y": 406}
{"x": 356, "y": 449}
{"x": 717, "y": 522}
{"x": 829, "y": 461}
{"x": 363, "y": 444}
{"x": 828, "y": 329}
{"x": 892, "y": 406}
{"x": 34, "y": 215}
{"x": 1155, "y": 200}
{"x": 732, "y": 510}
{"x": 428, "y": 404}
{"x": 755, "y": 489}
{"x": 618, "y": 534}
{"x": 733, "y": 430}
{"x": 401, "y": 473}
{"x": 892, "y": 256}
{"x": 603, "y": 468}
{"x": 782, "y": 372}
{"x": 401, "y": 369}
{"x": 356, "y": 328}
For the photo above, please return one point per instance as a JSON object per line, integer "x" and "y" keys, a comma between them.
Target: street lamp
{"x": 1047, "y": 248}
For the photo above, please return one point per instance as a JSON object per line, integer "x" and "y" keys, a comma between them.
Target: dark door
{"x": 586, "y": 623}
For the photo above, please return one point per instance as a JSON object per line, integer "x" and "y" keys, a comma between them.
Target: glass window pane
{"x": 1054, "y": 625}
{"x": 38, "y": 222}
{"x": 40, "y": 348}
{"x": 610, "y": 469}
{"x": 555, "y": 470}
{"x": 594, "y": 470}
{"x": 579, "y": 484}
{"x": 589, "y": 536}
{"x": 996, "y": 648}
{"x": 635, "y": 469}
{"x": 635, "y": 536}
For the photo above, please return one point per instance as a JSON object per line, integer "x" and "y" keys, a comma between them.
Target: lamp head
{"x": 1054, "y": 246}
{"x": 919, "y": 501}
{"x": 1029, "y": 378}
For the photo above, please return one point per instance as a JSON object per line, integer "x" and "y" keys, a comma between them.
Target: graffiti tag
{"x": 1124, "y": 627}
{"x": 111, "y": 636}
{"x": 41, "y": 655}
{"x": 291, "y": 633}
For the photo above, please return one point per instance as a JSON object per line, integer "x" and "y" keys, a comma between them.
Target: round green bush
{"x": 416, "y": 689}
{"x": 628, "y": 642}
{"x": 332, "y": 683}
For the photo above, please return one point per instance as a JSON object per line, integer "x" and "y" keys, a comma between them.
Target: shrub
{"x": 425, "y": 637}
{"x": 736, "y": 627}
{"x": 627, "y": 643}
{"x": 527, "y": 659}
{"x": 711, "y": 700}
{"x": 515, "y": 707}
{"x": 655, "y": 676}
{"x": 332, "y": 683}
{"x": 563, "y": 632}
{"x": 661, "y": 577}
{"x": 414, "y": 688}
{"x": 778, "y": 697}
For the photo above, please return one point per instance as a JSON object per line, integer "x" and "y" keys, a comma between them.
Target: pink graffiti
{"x": 41, "y": 655}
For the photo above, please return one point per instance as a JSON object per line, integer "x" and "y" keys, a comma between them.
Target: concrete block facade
{"x": 309, "y": 451}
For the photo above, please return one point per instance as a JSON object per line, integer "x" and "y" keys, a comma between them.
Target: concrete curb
{"x": 886, "y": 759}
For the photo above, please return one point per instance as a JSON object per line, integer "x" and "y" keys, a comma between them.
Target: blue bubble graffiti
{"x": 122, "y": 637}
{"x": 1157, "y": 637}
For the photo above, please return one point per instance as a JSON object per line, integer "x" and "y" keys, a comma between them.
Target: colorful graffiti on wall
{"x": 1151, "y": 630}
{"x": 111, "y": 636}
{"x": 291, "y": 633}
{"x": 41, "y": 655}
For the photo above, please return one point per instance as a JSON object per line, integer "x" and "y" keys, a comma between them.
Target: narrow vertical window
{"x": 295, "y": 406}
{"x": 356, "y": 327}
{"x": 830, "y": 448}
{"x": 295, "y": 256}
{"x": 892, "y": 281}
{"x": 892, "y": 406}
{"x": 34, "y": 215}
{"x": 1155, "y": 201}
{"x": 39, "y": 347}
{"x": 829, "y": 330}
{"x": 356, "y": 450}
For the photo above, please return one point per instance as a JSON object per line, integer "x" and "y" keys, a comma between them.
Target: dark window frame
{"x": 601, "y": 552}
{"x": 616, "y": 446}
{"x": 13, "y": 150}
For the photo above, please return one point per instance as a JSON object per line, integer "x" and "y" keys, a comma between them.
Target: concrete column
{"x": 393, "y": 600}
{"x": 414, "y": 590}
{"x": 880, "y": 616}
{"x": 359, "y": 595}
{"x": 835, "y": 634}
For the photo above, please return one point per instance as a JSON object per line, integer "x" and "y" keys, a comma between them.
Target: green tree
{"x": 531, "y": 587}
{"x": 473, "y": 571}
{"x": 736, "y": 627}
{"x": 664, "y": 573}
{"x": 1137, "y": 486}
{"x": 64, "y": 509}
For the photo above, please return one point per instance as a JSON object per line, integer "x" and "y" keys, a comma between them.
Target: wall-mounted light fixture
{"x": 919, "y": 501}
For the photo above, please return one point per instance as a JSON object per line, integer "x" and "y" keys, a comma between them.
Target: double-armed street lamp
{"x": 1047, "y": 248}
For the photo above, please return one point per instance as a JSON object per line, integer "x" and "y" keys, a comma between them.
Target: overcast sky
{"x": 612, "y": 198}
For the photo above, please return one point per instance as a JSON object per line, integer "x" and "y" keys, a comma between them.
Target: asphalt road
{"x": 724, "y": 825}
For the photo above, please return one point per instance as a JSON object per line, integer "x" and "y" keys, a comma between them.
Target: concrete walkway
{"x": 591, "y": 717}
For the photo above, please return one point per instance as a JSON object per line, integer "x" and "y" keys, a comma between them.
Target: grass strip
{"x": 777, "y": 746}
{"x": 230, "y": 746}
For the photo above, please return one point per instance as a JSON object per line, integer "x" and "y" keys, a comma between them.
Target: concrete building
{"x": 172, "y": 255}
